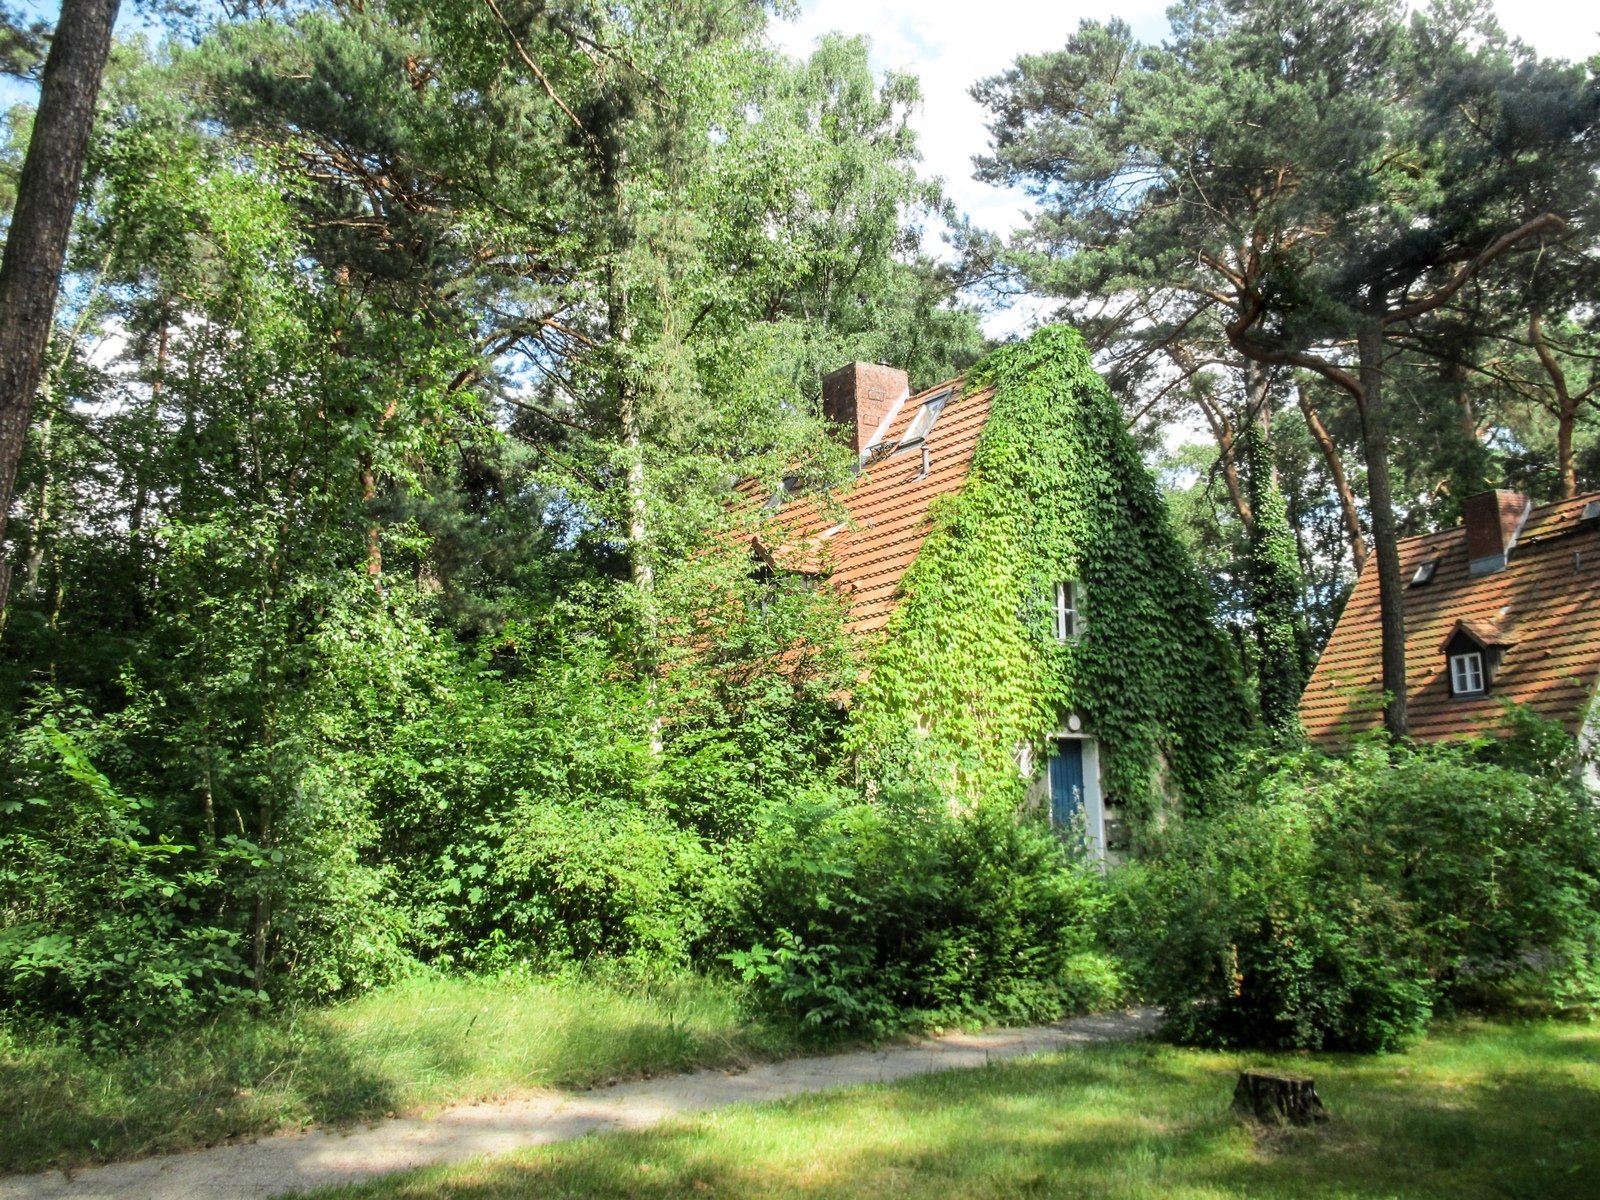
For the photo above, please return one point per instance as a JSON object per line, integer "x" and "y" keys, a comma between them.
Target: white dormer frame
{"x": 1467, "y": 675}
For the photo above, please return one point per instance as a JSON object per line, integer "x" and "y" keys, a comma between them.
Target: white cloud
{"x": 949, "y": 46}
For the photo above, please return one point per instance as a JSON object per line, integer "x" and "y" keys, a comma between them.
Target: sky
{"x": 949, "y": 45}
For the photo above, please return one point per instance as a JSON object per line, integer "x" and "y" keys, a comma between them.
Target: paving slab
{"x": 296, "y": 1162}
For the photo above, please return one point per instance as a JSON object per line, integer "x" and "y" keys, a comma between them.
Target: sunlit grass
{"x": 421, "y": 1043}
{"x": 1477, "y": 1111}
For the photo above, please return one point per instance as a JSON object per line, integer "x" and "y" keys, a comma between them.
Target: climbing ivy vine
{"x": 1275, "y": 592}
{"x": 970, "y": 661}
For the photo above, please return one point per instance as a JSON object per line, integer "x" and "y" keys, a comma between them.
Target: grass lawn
{"x": 422, "y": 1043}
{"x": 1477, "y": 1111}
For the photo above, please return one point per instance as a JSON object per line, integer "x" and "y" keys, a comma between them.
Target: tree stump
{"x": 1274, "y": 1099}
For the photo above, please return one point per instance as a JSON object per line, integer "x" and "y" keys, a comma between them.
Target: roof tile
{"x": 1544, "y": 607}
{"x": 887, "y": 508}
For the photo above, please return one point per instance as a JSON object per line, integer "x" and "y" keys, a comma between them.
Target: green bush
{"x": 610, "y": 882}
{"x": 1338, "y": 902}
{"x": 104, "y": 924}
{"x": 881, "y": 916}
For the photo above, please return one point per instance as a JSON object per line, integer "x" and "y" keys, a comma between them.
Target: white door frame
{"x": 1093, "y": 802}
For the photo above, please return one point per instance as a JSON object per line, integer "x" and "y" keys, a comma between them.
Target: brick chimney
{"x": 1493, "y": 520}
{"x": 859, "y": 397}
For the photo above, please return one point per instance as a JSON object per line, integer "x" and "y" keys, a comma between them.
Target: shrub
{"x": 1336, "y": 902}
{"x": 881, "y": 916}
{"x": 1245, "y": 938}
{"x": 101, "y": 922}
{"x": 604, "y": 882}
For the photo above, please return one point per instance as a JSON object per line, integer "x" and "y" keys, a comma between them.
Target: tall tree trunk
{"x": 1257, "y": 390}
{"x": 36, "y": 246}
{"x": 261, "y": 916}
{"x": 631, "y": 426}
{"x": 1385, "y": 538}
{"x": 1341, "y": 483}
{"x": 1277, "y": 591}
{"x": 1367, "y": 391}
{"x": 1565, "y": 420}
{"x": 1222, "y": 430}
{"x": 33, "y": 567}
{"x": 1297, "y": 522}
{"x": 369, "y": 498}
{"x": 152, "y": 418}
{"x": 1566, "y": 406}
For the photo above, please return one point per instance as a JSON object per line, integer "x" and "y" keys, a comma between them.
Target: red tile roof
{"x": 871, "y": 532}
{"x": 1544, "y": 608}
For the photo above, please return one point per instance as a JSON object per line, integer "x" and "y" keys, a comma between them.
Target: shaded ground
{"x": 1478, "y": 1111}
{"x": 300, "y": 1162}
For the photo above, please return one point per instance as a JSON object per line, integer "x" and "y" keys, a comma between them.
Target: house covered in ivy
{"x": 1022, "y": 603}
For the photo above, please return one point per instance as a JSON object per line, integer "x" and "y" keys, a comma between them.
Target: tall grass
{"x": 421, "y": 1043}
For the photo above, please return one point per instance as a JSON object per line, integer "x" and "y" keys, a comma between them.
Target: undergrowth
{"x": 417, "y": 1044}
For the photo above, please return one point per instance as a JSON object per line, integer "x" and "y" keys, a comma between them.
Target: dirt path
{"x": 298, "y": 1162}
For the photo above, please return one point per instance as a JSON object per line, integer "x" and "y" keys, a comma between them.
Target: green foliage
{"x": 1286, "y": 202}
{"x": 1249, "y": 937}
{"x": 1275, "y": 592}
{"x": 895, "y": 914}
{"x": 1057, "y": 492}
{"x": 334, "y": 552}
{"x": 108, "y": 923}
{"x": 829, "y": 149}
{"x": 377, "y": 603}
{"x": 22, "y": 43}
{"x": 1338, "y": 902}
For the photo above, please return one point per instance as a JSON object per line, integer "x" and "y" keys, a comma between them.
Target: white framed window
{"x": 1069, "y": 600}
{"x": 1466, "y": 673}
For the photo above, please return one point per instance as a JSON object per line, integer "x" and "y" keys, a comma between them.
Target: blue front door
{"x": 1066, "y": 782}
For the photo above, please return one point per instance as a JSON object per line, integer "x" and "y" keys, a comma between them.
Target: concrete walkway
{"x": 299, "y": 1162}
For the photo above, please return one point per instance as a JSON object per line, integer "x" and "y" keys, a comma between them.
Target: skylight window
{"x": 923, "y": 421}
{"x": 1590, "y": 511}
{"x": 1425, "y": 572}
{"x": 791, "y": 485}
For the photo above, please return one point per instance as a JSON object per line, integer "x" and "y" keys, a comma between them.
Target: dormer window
{"x": 1068, "y": 618}
{"x": 1473, "y": 651}
{"x": 1466, "y": 674}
